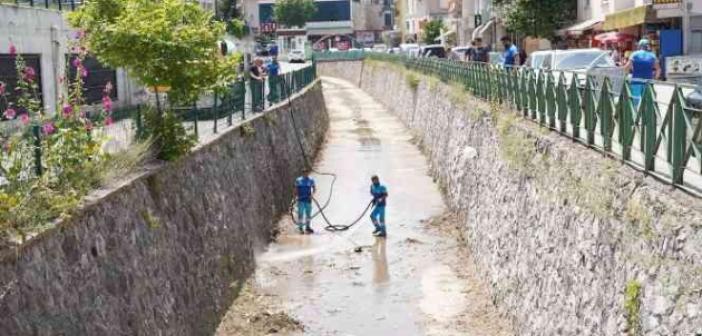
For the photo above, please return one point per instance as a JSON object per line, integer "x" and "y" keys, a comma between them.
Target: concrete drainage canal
{"x": 417, "y": 281}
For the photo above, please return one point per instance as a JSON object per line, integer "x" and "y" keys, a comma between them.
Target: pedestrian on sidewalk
{"x": 643, "y": 65}
{"x": 257, "y": 73}
{"x": 380, "y": 195}
{"x": 479, "y": 53}
{"x": 304, "y": 190}
{"x": 510, "y": 57}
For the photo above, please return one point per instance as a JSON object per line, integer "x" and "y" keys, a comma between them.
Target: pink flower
{"x": 10, "y": 113}
{"x": 108, "y": 121}
{"x": 29, "y": 74}
{"x": 48, "y": 128}
{"x": 13, "y": 49}
{"x": 67, "y": 110}
{"x": 24, "y": 118}
{"x": 77, "y": 62}
{"x": 2, "y": 88}
{"x": 107, "y": 103}
{"x": 79, "y": 34}
{"x": 83, "y": 72}
{"x": 88, "y": 125}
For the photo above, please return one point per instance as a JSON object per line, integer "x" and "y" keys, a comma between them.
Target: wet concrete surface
{"x": 414, "y": 282}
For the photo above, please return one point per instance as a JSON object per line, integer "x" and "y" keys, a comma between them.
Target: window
{"x": 695, "y": 39}
{"x": 8, "y": 75}
{"x": 98, "y": 77}
{"x": 388, "y": 20}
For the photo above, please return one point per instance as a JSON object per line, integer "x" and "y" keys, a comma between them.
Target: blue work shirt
{"x": 378, "y": 191}
{"x": 508, "y": 56}
{"x": 304, "y": 186}
{"x": 643, "y": 64}
{"x": 273, "y": 69}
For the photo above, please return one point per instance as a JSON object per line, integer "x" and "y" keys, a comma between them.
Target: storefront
{"x": 580, "y": 35}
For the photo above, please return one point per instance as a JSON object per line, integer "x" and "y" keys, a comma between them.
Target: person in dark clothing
{"x": 479, "y": 53}
{"x": 258, "y": 78}
{"x": 522, "y": 56}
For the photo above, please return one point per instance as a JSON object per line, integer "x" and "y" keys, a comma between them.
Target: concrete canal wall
{"x": 165, "y": 252}
{"x": 571, "y": 242}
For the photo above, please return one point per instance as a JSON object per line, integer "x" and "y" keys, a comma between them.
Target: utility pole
{"x": 686, "y": 30}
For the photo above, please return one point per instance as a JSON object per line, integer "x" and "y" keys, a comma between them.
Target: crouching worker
{"x": 304, "y": 189}
{"x": 380, "y": 194}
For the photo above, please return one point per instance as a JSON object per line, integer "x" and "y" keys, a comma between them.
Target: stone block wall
{"x": 165, "y": 252}
{"x": 572, "y": 242}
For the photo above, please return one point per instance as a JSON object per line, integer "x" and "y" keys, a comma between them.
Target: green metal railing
{"x": 655, "y": 130}
{"x": 225, "y": 105}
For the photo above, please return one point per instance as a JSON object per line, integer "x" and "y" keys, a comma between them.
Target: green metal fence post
{"x": 649, "y": 119}
{"x": 214, "y": 112}
{"x": 604, "y": 112}
{"x": 36, "y": 131}
{"x": 590, "y": 111}
{"x": 551, "y": 100}
{"x": 575, "y": 106}
{"x": 678, "y": 135}
{"x": 562, "y": 103}
{"x": 625, "y": 120}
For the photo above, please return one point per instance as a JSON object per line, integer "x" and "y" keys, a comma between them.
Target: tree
{"x": 432, "y": 30}
{"x": 538, "y": 18}
{"x": 294, "y": 13}
{"x": 163, "y": 43}
{"x": 169, "y": 43}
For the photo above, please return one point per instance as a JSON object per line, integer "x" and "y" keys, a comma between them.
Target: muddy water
{"x": 412, "y": 283}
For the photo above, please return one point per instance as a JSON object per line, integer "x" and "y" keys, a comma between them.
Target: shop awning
{"x": 580, "y": 27}
{"x": 627, "y": 18}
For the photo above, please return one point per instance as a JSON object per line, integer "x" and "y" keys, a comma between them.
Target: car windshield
{"x": 583, "y": 60}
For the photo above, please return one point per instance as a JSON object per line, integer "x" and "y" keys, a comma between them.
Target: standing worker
{"x": 304, "y": 189}
{"x": 380, "y": 195}
{"x": 643, "y": 65}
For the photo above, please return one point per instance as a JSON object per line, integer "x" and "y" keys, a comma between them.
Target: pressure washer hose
{"x": 330, "y": 227}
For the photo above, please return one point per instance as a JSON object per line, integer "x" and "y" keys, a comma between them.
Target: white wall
{"x": 45, "y": 32}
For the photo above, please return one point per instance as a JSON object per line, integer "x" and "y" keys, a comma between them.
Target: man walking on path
{"x": 643, "y": 65}
{"x": 510, "y": 57}
{"x": 258, "y": 77}
{"x": 380, "y": 194}
{"x": 304, "y": 189}
{"x": 479, "y": 53}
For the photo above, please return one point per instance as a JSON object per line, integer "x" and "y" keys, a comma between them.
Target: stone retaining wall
{"x": 165, "y": 252}
{"x": 572, "y": 243}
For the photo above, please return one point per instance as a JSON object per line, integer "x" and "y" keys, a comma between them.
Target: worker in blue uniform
{"x": 304, "y": 190}
{"x": 380, "y": 195}
{"x": 643, "y": 65}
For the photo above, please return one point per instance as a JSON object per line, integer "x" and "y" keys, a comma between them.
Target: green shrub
{"x": 412, "y": 80}
{"x": 632, "y": 307}
{"x": 171, "y": 139}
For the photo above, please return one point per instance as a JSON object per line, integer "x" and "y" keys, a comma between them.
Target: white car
{"x": 380, "y": 48}
{"x": 296, "y": 56}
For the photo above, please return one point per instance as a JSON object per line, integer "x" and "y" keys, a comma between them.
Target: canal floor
{"x": 420, "y": 280}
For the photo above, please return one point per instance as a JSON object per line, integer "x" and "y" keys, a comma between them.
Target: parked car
{"x": 411, "y": 49}
{"x": 595, "y": 62}
{"x": 380, "y": 48}
{"x": 432, "y": 50}
{"x": 458, "y": 53}
{"x": 296, "y": 56}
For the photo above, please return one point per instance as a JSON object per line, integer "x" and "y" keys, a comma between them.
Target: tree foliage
{"x": 171, "y": 43}
{"x": 432, "y": 30}
{"x": 294, "y": 13}
{"x": 539, "y": 18}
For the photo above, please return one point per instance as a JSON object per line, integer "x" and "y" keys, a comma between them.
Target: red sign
{"x": 269, "y": 27}
{"x": 344, "y": 45}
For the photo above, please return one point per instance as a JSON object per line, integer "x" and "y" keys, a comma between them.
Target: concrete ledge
{"x": 164, "y": 252}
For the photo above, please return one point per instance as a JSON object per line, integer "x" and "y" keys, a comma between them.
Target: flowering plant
{"x": 55, "y": 160}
